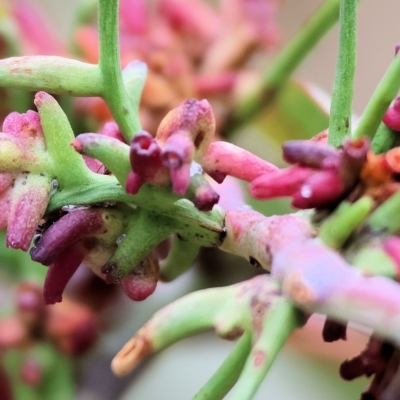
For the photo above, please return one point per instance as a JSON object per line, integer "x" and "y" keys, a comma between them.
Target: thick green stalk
{"x": 56, "y": 75}
{"x": 114, "y": 92}
{"x": 228, "y": 373}
{"x": 342, "y": 93}
{"x": 281, "y": 319}
{"x": 284, "y": 65}
{"x": 379, "y": 102}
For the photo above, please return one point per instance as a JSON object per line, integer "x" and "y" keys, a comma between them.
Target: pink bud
{"x": 146, "y": 162}
{"x": 280, "y": 183}
{"x": 321, "y": 189}
{"x": 27, "y": 124}
{"x": 142, "y": 281}
{"x": 28, "y": 204}
{"x": 392, "y": 116}
{"x": 223, "y": 158}
{"x": 111, "y": 129}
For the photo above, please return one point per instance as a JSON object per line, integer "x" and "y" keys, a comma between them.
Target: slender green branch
{"x": 114, "y": 91}
{"x": 379, "y": 102}
{"x": 342, "y": 93}
{"x": 284, "y": 65}
{"x": 281, "y": 319}
{"x": 384, "y": 139}
{"x": 56, "y": 75}
{"x": 336, "y": 229}
{"x": 228, "y": 373}
{"x": 179, "y": 260}
{"x": 386, "y": 217}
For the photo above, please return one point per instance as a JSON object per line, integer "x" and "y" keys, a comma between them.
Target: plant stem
{"x": 386, "y": 217}
{"x": 342, "y": 94}
{"x": 384, "y": 139}
{"x": 114, "y": 92}
{"x": 227, "y": 374}
{"x": 337, "y": 228}
{"x": 56, "y": 75}
{"x": 284, "y": 65}
{"x": 179, "y": 260}
{"x": 379, "y": 102}
{"x": 281, "y": 319}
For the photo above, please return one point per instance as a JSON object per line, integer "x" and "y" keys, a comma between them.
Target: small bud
{"x": 142, "y": 281}
{"x": 392, "y": 116}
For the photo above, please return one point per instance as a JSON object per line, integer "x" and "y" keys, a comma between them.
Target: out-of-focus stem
{"x": 228, "y": 373}
{"x": 283, "y": 66}
{"x": 114, "y": 91}
{"x": 342, "y": 93}
{"x": 386, "y": 217}
{"x": 179, "y": 260}
{"x": 384, "y": 139}
{"x": 281, "y": 319}
{"x": 379, "y": 102}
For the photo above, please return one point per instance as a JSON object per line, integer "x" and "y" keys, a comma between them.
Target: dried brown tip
{"x": 134, "y": 351}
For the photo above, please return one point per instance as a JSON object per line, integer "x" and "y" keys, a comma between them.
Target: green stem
{"x": 56, "y": 75}
{"x": 342, "y": 93}
{"x": 228, "y": 373}
{"x": 386, "y": 217}
{"x": 281, "y": 319}
{"x": 284, "y": 65}
{"x": 114, "y": 92}
{"x": 336, "y": 229}
{"x": 384, "y": 139}
{"x": 179, "y": 260}
{"x": 380, "y": 101}
{"x": 69, "y": 167}
{"x": 144, "y": 233}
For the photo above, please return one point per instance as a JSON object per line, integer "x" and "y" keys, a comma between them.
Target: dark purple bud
{"x": 351, "y": 369}
{"x": 333, "y": 331}
{"x": 353, "y": 159}
{"x": 281, "y": 183}
{"x": 142, "y": 281}
{"x": 146, "y": 163}
{"x": 61, "y": 271}
{"x": 321, "y": 189}
{"x": 396, "y": 48}
{"x": 309, "y": 154}
{"x": 68, "y": 229}
{"x": 201, "y": 193}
